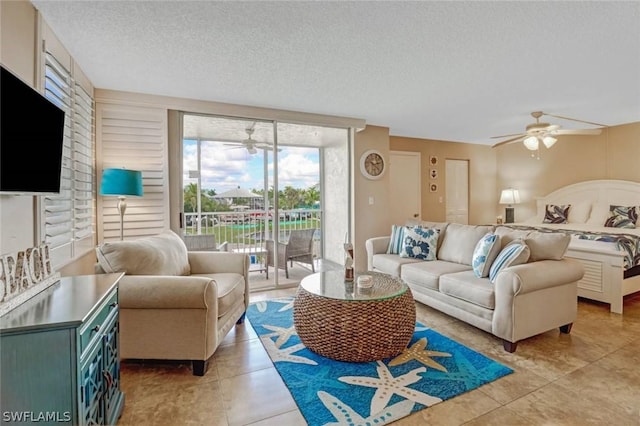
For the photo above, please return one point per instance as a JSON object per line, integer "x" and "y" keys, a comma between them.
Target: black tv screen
{"x": 31, "y": 139}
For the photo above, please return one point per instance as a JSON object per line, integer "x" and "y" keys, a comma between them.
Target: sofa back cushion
{"x": 547, "y": 245}
{"x": 459, "y": 241}
{"x": 162, "y": 254}
{"x": 508, "y": 234}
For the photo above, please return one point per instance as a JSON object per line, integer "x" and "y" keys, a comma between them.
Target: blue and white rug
{"x": 432, "y": 369}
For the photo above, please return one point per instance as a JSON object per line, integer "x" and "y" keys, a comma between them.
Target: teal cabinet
{"x": 59, "y": 355}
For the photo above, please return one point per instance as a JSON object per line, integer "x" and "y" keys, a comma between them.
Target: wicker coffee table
{"x": 341, "y": 321}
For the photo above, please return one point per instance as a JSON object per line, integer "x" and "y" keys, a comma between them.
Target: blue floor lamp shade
{"x": 120, "y": 183}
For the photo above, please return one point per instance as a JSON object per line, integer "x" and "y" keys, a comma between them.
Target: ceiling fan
{"x": 545, "y": 133}
{"x": 250, "y": 144}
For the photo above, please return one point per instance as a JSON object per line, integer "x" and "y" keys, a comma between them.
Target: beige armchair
{"x": 175, "y": 304}
{"x": 299, "y": 247}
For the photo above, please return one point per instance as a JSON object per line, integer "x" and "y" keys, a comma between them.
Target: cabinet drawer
{"x": 93, "y": 327}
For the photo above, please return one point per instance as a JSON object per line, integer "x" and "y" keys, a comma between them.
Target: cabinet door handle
{"x": 113, "y": 305}
{"x": 108, "y": 377}
{"x": 95, "y": 329}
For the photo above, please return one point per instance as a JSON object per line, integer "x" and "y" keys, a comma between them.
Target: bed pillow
{"x": 599, "y": 214}
{"x": 556, "y": 213}
{"x": 579, "y": 212}
{"x": 420, "y": 243}
{"x": 622, "y": 217}
{"x": 484, "y": 254}
{"x": 395, "y": 242}
{"x": 514, "y": 253}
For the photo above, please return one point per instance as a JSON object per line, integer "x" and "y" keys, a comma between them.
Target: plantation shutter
{"x": 58, "y": 211}
{"x": 67, "y": 219}
{"x": 135, "y": 138}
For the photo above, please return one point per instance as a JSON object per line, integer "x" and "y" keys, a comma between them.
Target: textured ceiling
{"x": 459, "y": 71}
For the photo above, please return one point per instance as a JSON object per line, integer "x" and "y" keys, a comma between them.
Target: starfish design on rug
{"x": 321, "y": 377}
{"x": 278, "y": 354}
{"x": 346, "y": 415}
{"x": 386, "y": 386}
{"x": 419, "y": 328}
{"x": 283, "y": 333}
{"x": 288, "y": 304}
{"x": 420, "y": 353}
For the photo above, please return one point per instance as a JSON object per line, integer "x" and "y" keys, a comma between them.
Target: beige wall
{"x": 614, "y": 154}
{"x": 482, "y": 176}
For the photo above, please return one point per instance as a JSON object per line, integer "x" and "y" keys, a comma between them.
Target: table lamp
{"x": 509, "y": 196}
{"x": 121, "y": 182}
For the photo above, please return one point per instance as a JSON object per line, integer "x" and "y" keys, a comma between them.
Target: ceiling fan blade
{"x": 512, "y": 140}
{"x": 506, "y": 136}
{"x": 577, "y": 132}
{"x": 574, "y": 119}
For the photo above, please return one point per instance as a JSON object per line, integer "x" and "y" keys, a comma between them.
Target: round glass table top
{"x": 331, "y": 284}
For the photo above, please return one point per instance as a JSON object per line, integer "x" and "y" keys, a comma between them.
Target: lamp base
{"x": 509, "y": 215}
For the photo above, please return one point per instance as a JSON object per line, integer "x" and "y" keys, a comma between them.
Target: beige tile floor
{"x": 590, "y": 376}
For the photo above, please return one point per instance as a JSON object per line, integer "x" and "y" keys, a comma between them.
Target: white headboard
{"x": 598, "y": 194}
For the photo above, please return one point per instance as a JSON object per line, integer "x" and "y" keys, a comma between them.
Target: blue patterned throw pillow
{"x": 514, "y": 253}
{"x": 484, "y": 254}
{"x": 420, "y": 243}
{"x": 395, "y": 242}
{"x": 556, "y": 214}
{"x": 622, "y": 217}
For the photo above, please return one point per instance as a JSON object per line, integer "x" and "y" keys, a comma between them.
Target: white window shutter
{"x": 133, "y": 138}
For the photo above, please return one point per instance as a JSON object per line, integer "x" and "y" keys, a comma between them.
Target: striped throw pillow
{"x": 397, "y": 236}
{"x": 514, "y": 253}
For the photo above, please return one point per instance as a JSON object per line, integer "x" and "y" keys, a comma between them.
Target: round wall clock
{"x": 372, "y": 164}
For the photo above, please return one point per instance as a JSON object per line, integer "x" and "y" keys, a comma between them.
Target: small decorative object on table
{"x": 365, "y": 281}
{"x": 348, "y": 262}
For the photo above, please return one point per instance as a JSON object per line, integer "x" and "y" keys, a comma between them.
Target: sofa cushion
{"x": 508, "y": 234}
{"x": 460, "y": 241}
{"x": 467, "y": 286}
{"x": 427, "y": 274}
{"x": 514, "y": 253}
{"x": 391, "y": 263}
{"x": 485, "y": 253}
{"x": 441, "y": 226}
{"x": 547, "y": 245}
{"x": 230, "y": 288}
{"x": 162, "y": 254}
{"x": 420, "y": 243}
{"x": 396, "y": 239}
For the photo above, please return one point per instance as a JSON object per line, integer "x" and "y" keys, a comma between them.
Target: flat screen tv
{"x": 31, "y": 139}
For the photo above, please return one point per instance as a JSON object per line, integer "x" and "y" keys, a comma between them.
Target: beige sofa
{"x": 524, "y": 299}
{"x": 175, "y": 304}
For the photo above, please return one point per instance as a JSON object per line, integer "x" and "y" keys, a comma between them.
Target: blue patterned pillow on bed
{"x": 622, "y": 217}
{"x": 556, "y": 214}
{"x": 420, "y": 243}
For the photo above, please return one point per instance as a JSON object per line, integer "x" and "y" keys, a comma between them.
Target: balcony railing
{"x": 249, "y": 229}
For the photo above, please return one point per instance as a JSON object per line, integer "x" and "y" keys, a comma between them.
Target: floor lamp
{"x": 509, "y": 196}
{"x": 121, "y": 182}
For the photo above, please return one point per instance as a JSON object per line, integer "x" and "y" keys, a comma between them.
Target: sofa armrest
{"x": 210, "y": 262}
{"x": 167, "y": 292}
{"x": 375, "y": 245}
{"x": 534, "y": 276}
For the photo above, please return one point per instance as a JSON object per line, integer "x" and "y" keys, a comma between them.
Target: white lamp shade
{"x": 531, "y": 143}
{"x": 509, "y": 196}
{"x": 548, "y": 141}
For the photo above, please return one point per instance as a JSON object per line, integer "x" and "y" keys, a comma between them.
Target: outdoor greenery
{"x": 289, "y": 198}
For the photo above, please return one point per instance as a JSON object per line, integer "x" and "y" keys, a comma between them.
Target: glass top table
{"x": 331, "y": 284}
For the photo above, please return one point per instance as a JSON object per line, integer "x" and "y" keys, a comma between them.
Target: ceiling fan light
{"x": 548, "y": 141}
{"x": 252, "y": 150}
{"x": 531, "y": 143}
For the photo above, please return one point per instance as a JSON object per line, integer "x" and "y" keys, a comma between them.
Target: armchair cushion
{"x": 162, "y": 254}
{"x": 230, "y": 287}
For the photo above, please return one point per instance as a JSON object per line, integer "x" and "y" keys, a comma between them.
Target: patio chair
{"x": 204, "y": 242}
{"x": 299, "y": 247}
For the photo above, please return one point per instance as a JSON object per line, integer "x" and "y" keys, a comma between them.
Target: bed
{"x": 610, "y": 255}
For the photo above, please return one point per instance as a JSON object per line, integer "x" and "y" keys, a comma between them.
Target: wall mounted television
{"x": 31, "y": 139}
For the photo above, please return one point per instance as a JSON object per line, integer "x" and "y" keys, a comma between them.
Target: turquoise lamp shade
{"x": 121, "y": 182}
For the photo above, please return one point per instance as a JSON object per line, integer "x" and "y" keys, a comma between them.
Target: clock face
{"x": 372, "y": 164}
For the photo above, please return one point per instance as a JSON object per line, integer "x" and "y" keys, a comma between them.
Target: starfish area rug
{"x": 432, "y": 369}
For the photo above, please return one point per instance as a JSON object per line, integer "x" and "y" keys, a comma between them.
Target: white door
{"x": 457, "y": 192}
{"x": 406, "y": 195}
